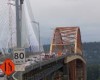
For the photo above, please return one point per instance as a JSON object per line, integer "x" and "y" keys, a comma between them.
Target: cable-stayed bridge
{"x": 29, "y": 29}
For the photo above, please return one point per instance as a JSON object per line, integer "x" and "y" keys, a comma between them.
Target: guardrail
{"x": 40, "y": 64}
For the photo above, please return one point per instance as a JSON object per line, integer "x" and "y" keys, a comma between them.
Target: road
{"x": 3, "y": 78}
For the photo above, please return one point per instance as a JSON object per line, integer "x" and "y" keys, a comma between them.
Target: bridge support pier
{"x": 58, "y": 75}
{"x": 66, "y": 72}
{"x": 49, "y": 77}
{"x": 72, "y": 70}
{"x": 76, "y": 70}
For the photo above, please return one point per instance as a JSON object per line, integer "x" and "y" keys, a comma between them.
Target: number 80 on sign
{"x": 19, "y": 56}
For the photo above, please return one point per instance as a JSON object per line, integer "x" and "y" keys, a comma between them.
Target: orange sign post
{"x": 8, "y": 67}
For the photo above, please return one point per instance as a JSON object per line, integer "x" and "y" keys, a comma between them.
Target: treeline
{"x": 92, "y": 55}
{"x": 93, "y": 72}
{"x": 92, "y": 52}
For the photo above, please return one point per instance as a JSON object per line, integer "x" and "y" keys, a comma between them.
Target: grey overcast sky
{"x": 55, "y": 13}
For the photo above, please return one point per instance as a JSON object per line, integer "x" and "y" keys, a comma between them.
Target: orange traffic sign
{"x": 8, "y": 67}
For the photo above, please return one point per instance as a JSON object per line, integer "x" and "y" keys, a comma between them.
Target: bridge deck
{"x": 40, "y": 64}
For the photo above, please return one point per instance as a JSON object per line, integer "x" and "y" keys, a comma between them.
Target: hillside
{"x": 92, "y": 52}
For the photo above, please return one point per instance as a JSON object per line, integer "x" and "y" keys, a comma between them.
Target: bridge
{"x": 68, "y": 64}
{"x": 64, "y": 61}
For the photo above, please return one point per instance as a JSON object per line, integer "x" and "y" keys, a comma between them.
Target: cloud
{"x": 83, "y": 13}
{"x": 53, "y": 13}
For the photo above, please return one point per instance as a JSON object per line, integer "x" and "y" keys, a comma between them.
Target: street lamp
{"x": 38, "y": 32}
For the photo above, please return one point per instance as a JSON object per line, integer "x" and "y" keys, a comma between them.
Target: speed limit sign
{"x": 19, "y": 56}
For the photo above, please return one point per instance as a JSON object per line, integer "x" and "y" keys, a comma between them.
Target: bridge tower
{"x": 68, "y": 40}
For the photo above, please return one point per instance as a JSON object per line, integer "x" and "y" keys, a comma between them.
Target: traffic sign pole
{"x": 19, "y": 25}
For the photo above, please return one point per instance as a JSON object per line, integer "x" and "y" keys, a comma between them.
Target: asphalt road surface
{"x": 3, "y": 78}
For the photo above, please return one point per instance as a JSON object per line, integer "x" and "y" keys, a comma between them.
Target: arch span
{"x": 66, "y": 39}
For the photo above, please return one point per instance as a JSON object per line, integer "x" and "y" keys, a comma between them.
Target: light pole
{"x": 38, "y": 32}
{"x": 18, "y": 8}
